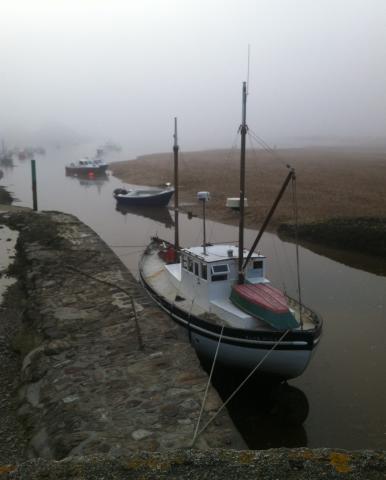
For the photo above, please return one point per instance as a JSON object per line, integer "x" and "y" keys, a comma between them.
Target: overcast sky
{"x": 124, "y": 69}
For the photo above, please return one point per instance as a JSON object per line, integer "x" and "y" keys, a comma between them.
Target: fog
{"x": 122, "y": 70}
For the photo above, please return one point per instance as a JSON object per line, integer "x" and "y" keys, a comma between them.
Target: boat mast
{"x": 243, "y": 132}
{"x": 175, "y": 151}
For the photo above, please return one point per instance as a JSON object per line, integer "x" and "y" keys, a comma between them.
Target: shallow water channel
{"x": 345, "y": 383}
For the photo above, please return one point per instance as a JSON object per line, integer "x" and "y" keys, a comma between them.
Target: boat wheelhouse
{"x": 211, "y": 276}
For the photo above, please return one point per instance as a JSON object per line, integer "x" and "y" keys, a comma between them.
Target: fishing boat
{"x": 220, "y": 294}
{"x": 144, "y": 197}
{"x": 85, "y": 166}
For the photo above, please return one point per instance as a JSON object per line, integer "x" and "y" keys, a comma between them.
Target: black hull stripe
{"x": 236, "y": 337}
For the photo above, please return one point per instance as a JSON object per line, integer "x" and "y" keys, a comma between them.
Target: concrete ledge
{"x": 214, "y": 464}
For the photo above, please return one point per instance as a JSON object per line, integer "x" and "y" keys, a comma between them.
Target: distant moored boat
{"x": 86, "y": 166}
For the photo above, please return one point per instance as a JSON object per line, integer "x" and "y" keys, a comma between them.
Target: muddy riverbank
{"x": 330, "y": 182}
{"x": 340, "y": 192}
{"x": 364, "y": 234}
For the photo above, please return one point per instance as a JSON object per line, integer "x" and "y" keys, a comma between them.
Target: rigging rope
{"x": 295, "y": 205}
{"x": 241, "y": 384}
{"x": 127, "y": 246}
{"x": 277, "y": 262}
{"x": 207, "y": 387}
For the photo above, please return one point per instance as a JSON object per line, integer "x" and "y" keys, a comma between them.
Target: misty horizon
{"x": 123, "y": 70}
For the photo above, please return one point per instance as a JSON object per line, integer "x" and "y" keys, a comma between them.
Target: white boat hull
{"x": 279, "y": 363}
{"x": 284, "y": 360}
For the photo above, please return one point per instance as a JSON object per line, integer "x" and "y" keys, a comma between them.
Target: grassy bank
{"x": 365, "y": 234}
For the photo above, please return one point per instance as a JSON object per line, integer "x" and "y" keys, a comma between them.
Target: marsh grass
{"x": 331, "y": 182}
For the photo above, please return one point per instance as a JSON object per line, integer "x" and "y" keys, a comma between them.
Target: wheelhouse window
{"x": 219, "y": 273}
{"x": 184, "y": 262}
{"x": 190, "y": 264}
{"x": 258, "y": 265}
{"x": 196, "y": 268}
{"x": 204, "y": 271}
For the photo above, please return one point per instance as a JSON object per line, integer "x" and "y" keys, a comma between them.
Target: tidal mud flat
{"x": 339, "y": 191}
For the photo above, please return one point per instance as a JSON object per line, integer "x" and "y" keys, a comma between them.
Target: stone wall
{"x": 103, "y": 370}
{"x": 299, "y": 464}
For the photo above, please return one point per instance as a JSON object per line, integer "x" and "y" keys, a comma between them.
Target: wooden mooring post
{"x": 34, "y": 190}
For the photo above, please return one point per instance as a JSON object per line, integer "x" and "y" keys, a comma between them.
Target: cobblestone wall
{"x": 299, "y": 464}
{"x": 103, "y": 370}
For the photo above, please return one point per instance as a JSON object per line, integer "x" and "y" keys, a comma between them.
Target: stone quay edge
{"x": 103, "y": 369}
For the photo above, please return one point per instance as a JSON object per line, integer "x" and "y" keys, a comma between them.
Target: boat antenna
{"x": 175, "y": 152}
{"x": 243, "y": 131}
{"x": 249, "y": 57}
{"x": 203, "y": 197}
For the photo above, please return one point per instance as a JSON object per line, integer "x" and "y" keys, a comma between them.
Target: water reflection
{"x": 268, "y": 414}
{"x": 372, "y": 264}
{"x": 158, "y": 214}
{"x": 89, "y": 181}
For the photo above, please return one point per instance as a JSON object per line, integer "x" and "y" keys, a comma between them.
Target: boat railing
{"x": 310, "y": 314}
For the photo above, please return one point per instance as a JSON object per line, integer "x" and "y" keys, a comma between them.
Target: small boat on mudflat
{"x": 85, "y": 166}
{"x": 149, "y": 197}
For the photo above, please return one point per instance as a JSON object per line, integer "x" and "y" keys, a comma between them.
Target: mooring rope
{"x": 114, "y": 285}
{"x": 241, "y": 385}
{"x": 207, "y": 387}
{"x": 96, "y": 279}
